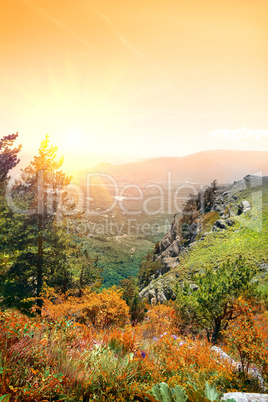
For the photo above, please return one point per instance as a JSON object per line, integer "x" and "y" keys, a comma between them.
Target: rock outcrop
{"x": 181, "y": 238}
{"x": 159, "y": 290}
{"x": 243, "y": 207}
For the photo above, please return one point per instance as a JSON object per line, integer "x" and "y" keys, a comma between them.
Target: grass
{"x": 44, "y": 360}
{"x": 248, "y": 238}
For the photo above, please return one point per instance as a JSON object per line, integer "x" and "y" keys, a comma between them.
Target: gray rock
{"x": 217, "y": 208}
{"x": 169, "y": 263}
{"x": 255, "y": 373}
{"x": 220, "y": 224}
{"x": 263, "y": 267}
{"x": 245, "y": 397}
{"x": 194, "y": 287}
{"x": 174, "y": 249}
{"x": 243, "y": 207}
{"x": 160, "y": 290}
{"x": 151, "y": 293}
{"x": 253, "y": 181}
{"x": 223, "y": 356}
{"x": 165, "y": 242}
{"x": 161, "y": 298}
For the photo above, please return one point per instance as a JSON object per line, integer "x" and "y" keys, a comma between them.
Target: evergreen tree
{"x": 8, "y": 155}
{"x": 43, "y": 249}
{"x": 90, "y": 273}
{"x": 8, "y": 220}
{"x": 137, "y": 307}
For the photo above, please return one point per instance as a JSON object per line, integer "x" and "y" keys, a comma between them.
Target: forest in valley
{"x": 66, "y": 337}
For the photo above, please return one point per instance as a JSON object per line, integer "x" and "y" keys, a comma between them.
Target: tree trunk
{"x": 216, "y": 331}
{"x": 40, "y": 262}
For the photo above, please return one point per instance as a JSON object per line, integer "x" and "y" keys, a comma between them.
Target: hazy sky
{"x": 121, "y": 80}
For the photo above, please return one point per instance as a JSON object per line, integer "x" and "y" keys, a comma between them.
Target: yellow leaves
{"x": 99, "y": 309}
{"x": 34, "y": 371}
{"x": 106, "y": 309}
{"x": 246, "y": 338}
{"x": 160, "y": 319}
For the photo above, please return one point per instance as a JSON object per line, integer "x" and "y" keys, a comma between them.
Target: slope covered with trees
{"x": 63, "y": 338}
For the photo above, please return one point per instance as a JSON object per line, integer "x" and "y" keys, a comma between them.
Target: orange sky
{"x": 121, "y": 80}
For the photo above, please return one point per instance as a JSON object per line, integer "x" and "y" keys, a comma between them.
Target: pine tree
{"x": 90, "y": 273}
{"x": 8, "y": 220}
{"x": 8, "y": 155}
{"x": 43, "y": 249}
{"x": 36, "y": 241}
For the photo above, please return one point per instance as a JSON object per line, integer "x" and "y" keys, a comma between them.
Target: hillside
{"x": 225, "y": 165}
{"x": 237, "y": 224}
{"x": 133, "y": 187}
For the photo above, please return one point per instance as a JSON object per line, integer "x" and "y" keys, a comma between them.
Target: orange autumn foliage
{"x": 113, "y": 363}
{"x": 247, "y": 339}
{"x": 106, "y": 309}
{"x": 160, "y": 319}
{"x": 101, "y": 310}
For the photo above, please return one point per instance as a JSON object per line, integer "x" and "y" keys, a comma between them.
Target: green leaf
{"x": 211, "y": 393}
{"x": 5, "y": 398}
{"x": 162, "y": 392}
{"x": 179, "y": 394}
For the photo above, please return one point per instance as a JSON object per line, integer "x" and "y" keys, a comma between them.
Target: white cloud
{"x": 240, "y": 134}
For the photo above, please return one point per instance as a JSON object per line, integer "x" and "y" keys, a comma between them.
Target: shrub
{"x": 160, "y": 319}
{"x": 106, "y": 309}
{"x": 211, "y": 306}
{"x": 247, "y": 340}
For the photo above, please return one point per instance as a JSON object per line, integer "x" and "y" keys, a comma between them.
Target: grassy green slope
{"x": 248, "y": 237}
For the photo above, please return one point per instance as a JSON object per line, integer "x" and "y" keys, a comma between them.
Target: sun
{"x": 73, "y": 140}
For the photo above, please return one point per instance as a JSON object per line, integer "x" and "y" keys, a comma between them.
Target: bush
{"x": 106, "y": 309}
{"x": 247, "y": 340}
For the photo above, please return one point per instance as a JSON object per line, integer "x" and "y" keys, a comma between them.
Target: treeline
{"x": 35, "y": 246}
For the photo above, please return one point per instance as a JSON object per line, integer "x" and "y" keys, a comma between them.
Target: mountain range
{"x": 202, "y": 167}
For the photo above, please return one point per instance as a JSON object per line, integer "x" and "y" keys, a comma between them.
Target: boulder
{"x": 159, "y": 291}
{"x": 161, "y": 298}
{"x": 217, "y": 207}
{"x": 245, "y": 397}
{"x": 255, "y": 373}
{"x": 165, "y": 242}
{"x": 219, "y": 224}
{"x": 194, "y": 287}
{"x": 243, "y": 207}
{"x": 174, "y": 249}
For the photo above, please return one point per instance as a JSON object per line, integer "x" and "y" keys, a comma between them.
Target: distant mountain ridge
{"x": 204, "y": 167}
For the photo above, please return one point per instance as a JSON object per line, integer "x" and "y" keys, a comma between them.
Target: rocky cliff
{"x": 204, "y": 216}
